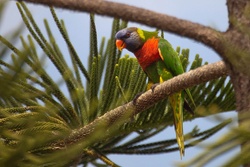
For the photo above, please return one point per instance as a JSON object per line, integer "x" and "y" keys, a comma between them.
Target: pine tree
{"x": 40, "y": 123}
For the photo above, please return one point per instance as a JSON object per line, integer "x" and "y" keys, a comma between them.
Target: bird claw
{"x": 139, "y": 94}
{"x": 136, "y": 97}
{"x": 154, "y": 86}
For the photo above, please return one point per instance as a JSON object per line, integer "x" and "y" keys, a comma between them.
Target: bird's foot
{"x": 154, "y": 86}
{"x": 136, "y": 97}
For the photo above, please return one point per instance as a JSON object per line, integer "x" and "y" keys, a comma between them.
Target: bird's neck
{"x": 148, "y": 53}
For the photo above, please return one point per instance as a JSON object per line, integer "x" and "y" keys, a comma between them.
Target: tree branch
{"x": 204, "y": 34}
{"x": 102, "y": 126}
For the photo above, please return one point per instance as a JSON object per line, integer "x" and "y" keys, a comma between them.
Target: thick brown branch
{"x": 189, "y": 79}
{"x": 238, "y": 13}
{"x": 122, "y": 114}
{"x": 237, "y": 39}
{"x": 180, "y": 27}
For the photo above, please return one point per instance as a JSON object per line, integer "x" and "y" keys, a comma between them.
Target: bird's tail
{"x": 177, "y": 101}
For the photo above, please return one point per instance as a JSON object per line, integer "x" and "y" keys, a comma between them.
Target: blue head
{"x": 128, "y": 38}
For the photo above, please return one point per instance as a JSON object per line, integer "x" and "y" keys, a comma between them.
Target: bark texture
{"x": 236, "y": 52}
{"x": 237, "y": 57}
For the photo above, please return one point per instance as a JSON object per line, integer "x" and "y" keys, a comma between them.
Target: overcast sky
{"x": 209, "y": 13}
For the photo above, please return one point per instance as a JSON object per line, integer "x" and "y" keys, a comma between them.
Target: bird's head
{"x": 129, "y": 38}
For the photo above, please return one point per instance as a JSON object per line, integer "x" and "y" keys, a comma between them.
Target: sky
{"x": 209, "y": 13}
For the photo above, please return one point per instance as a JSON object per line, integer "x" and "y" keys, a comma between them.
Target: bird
{"x": 159, "y": 60}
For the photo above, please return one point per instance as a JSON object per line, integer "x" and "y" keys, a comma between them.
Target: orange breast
{"x": 148, "y": 54}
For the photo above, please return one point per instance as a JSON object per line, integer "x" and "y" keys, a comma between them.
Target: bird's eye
{"x": 127, "y": 34}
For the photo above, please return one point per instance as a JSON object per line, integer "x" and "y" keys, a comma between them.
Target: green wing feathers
{"x": 170, "y": 57}
{"x": 173, "y": 65}
{"x": 172, "y": 62}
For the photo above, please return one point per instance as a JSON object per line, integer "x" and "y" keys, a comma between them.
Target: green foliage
{"x": 36, "y": 115}
{"x": 226, "y": 143}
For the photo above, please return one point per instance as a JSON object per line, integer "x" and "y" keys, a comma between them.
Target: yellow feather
{"x": 159, "y": 50}
{"x": 141, "y": 33}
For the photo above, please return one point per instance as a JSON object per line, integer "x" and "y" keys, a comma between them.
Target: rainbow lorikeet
{"x": 160, "y": 62}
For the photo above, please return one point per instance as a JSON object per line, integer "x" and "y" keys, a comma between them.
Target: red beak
{"x": 120, "y": 44}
